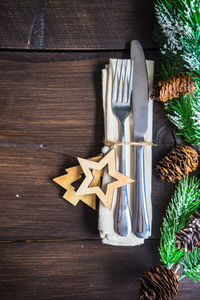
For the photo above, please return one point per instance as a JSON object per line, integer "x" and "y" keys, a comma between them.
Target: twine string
{"x": 111, "y": 144}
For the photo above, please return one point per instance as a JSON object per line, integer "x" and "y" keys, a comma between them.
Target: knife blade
{"x": 141, "y": 226}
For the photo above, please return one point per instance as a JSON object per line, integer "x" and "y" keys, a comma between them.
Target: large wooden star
{"x": 88, "y": 165}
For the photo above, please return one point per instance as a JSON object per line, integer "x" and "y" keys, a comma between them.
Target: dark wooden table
{"x": 52, "y": 53}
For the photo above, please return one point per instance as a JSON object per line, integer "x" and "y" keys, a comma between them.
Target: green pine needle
{"x": 183, "y": 204}
{"x": 190, "y": 265}
{"x": 179, "y": 23}
{"x": 170, "y": 69}
{"x": 184, "y": 113}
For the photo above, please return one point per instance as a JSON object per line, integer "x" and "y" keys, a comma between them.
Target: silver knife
{"x": 141, "y": 227}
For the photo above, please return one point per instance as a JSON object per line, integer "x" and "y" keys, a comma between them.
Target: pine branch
{"x": 184, "y": 113}
{"x": 166, "y": 54}
{"x": 179, "y": 22}
{"x": 183, "y": 204}
{"x": 190, "y": 265}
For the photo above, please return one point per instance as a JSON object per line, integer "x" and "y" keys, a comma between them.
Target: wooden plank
{"x": 31, "y": 204}
{"x": 52, "y": 103}
{"x": 85, "y": 270}
{"x": 50, "y": 100}
{"x": 62, "y": 55}
{"x": 75, "y": 24}
{"x": 73, "y": 270}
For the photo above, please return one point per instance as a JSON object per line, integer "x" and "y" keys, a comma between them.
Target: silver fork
{"x": 121, "y": 107}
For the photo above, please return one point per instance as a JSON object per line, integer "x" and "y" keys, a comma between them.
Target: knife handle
{"x": 141, "y": 227}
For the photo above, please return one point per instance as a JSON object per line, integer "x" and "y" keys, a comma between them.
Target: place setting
{"x": 122, "y": 171}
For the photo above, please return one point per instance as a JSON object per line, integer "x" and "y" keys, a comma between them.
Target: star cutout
{"x": 88, "y": 165}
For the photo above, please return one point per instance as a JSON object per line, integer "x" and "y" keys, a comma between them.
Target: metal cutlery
{"x": 121, "y": 107}
{"x": 141, "y": 226}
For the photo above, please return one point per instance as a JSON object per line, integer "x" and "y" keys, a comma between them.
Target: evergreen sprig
{"x": 183, "y": 204}
{"x": 179, "y": 23}
{"x": 184, "y": 113}
{"x": 170, "y": 69}
{"x": 178, "y": 34}
{"x": 190, "y": 265}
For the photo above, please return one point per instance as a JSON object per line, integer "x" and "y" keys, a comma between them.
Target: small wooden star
{"x": 88, "y": 165}
{"x": 74, "y": 174}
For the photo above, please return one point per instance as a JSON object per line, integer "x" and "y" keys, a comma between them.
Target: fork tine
{"x": 114, "y": 83}
{"x": 130, "y": 87}
{"x": 119, "y": 94}
{"x": 124, "y": 97}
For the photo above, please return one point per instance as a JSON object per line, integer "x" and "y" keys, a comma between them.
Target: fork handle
{"x": 141, "y": 226}
{"x": 123, "y": 222}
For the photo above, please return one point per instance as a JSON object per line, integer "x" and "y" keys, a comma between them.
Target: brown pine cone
{"x": 180, "y": 84}
{"x": 158, "y": 283}
{"x": 189, "y": 237}
{"x": 177, "y": 164}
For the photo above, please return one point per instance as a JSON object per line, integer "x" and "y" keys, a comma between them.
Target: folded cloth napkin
{"x": 111, "y": 132}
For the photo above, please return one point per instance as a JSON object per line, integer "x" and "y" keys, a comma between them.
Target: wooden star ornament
{"x": 87, "y": 167}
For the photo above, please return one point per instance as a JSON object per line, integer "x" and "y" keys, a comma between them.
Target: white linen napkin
{"x": 111, "y": 132}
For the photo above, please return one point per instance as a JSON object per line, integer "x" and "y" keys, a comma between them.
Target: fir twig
{"x": 183, "y": 204}
{"x": 170, "y": 69}
{"x": 190, "y": 265}
{"x": 184, "y": 113}
{"x": 179, "y": 22}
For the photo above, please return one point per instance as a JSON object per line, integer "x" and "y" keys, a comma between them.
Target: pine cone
{"x": 159, "y": 283}
{"x": 189, "y": 237}
{"x": 180, "y": 84}
{"x": 177, "y": 164}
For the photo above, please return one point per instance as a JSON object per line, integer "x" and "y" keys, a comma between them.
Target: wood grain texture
{"x": 85, "y": 270}
{"x": 70, "y": 55}
{"x": 52, "y": 103}
{"x": 74, "y": 24}
{"x": 56, "y": 100}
